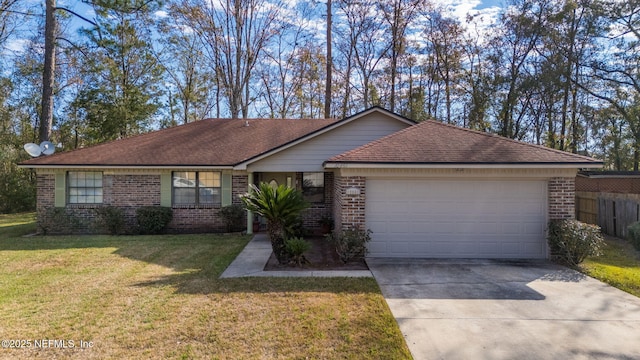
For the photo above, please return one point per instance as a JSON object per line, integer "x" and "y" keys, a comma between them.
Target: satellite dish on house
{"x": 33, "y": 149}
{"x": 47, "y": 147}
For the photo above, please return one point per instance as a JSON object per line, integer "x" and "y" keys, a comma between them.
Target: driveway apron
{"x": 484, "y": 309}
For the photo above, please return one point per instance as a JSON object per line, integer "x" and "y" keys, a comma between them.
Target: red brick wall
{"x": 202, "y": 219}
{"x": 240, "y": 186}
{"x": 608, "y": 185}
{"x": 350, "y": 209}
{"x": 130, "y": 192}
{"x": 561, "y": 198}
{"x": 317, "y": 211}
{"x": 46, "y": 191}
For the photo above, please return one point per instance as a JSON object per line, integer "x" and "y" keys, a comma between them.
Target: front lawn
{"x": 160, "y": 297}
{"x": 619, "y": 266}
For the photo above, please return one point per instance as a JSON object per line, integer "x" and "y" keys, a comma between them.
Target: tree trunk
{"x": 275, "y": 230}
{"x": 48, "y": 74}
{"x": 327, "y": 91}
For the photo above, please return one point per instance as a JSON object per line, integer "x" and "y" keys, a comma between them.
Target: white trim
{"x": 479, "y": 173}
{"x": 337, "y": 165}
{"x": 128, "y": 167}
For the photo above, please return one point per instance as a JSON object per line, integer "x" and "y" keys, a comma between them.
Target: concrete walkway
{"x": 253, "y": 258}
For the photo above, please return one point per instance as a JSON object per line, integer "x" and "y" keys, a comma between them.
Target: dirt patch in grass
{"x": 322, "y": 256}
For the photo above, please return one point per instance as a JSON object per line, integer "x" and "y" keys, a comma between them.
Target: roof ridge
{"x": 493, "y": 135}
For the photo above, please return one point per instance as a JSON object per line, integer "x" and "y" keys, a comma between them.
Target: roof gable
{"x": 205, "y": 143}
{"x": 434, "y": 143}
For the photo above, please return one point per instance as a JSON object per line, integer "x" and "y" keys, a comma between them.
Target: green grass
{"x": 619, "y": 266}
{"x": 160, "y": 297}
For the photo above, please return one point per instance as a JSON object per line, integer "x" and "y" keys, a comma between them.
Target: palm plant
{"x": 281, "y": 207}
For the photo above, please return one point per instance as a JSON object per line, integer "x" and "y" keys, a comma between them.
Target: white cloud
{"x": 161, "y": 14}
{"x": 17, "y": 45}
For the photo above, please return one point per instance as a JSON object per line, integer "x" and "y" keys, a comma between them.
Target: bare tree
{"x": 398, "y": 14}
{"x": 234, "y": 34}
{"x": 359, "y": 43}
{"x": 182, "y": 57}
{"x": 444, "y": 36}
{"x": 9, "y": 19}
{"x": 279, "y": 73}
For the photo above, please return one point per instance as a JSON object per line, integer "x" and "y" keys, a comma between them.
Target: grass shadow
{"x": 196, "y": 261}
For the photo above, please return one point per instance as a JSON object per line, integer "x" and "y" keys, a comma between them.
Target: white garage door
{"x": 456, "y": 219}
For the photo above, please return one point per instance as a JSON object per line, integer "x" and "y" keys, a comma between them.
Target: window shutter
{"x": 60, "y": 192}
{"x": 226, "y": 189}
{"x": 165, "y": 189}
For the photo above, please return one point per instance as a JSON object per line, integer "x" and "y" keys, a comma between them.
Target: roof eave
{"x": 520, "y": 165}
{"x": 129, "y": 167}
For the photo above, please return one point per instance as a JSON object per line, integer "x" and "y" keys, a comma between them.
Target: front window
{"x": 313, "y": 187}
{"x": 196, "y": 188}
{"x": 84, "y": 187}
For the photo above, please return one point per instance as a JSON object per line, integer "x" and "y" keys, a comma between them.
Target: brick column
{"x": 349, "y": 202}
{"x": 562, "y": 197}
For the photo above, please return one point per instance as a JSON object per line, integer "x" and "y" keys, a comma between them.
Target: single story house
{"x": 425, "y": 189}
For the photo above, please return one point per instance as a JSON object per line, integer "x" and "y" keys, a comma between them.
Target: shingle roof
{"x": 212, "y": 142}
{"x": 432, "y": 142}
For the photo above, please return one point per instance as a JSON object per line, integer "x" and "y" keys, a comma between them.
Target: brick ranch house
{"x": 425, "y": 189}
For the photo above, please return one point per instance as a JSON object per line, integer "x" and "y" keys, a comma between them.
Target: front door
{"x": 276, "y": 179}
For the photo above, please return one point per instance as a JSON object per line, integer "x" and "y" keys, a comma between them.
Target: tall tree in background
{"x": 182, "y": 58}
{"x": 398, "y": 14}
{"x": 122, "y": 77}
{"x": 310, "y": 66}
{"x": 616, "y": 72}
{"x": 48, "y": 73}
{"x": 521, "y": 28}
{"x": 8, "y": 20}
{"x": 444, "y": 43}
{"x": 359, "y": 43}
{"x": 477, "y": 81}
{"x": 329, "y": 70}
{"x": 280, "y": 76}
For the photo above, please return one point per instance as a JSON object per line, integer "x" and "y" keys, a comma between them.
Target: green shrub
{"x": 351, "y": 243}
{"x": 573, "y": 241}
{"x": 153, "y": 219}
{"x": 633, "y": 234}
{"x": 281, "y": 207}
{"x": 296, "y": 247}
{"x": 56, "y": 220}
{"x": 110, "y": 219}
{"x": 233, "y": 217}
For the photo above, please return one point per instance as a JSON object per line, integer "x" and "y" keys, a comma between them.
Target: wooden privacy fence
{"x": 611, "y": 211}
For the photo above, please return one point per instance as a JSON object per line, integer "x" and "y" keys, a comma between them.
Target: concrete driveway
{"x": 482, "y": 309}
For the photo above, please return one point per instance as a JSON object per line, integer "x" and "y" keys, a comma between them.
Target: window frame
{"x": 197, "y": 189}
{"x": 305, "y": 188}
{"x": 69, "y": 179}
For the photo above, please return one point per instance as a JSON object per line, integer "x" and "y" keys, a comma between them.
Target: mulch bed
{"x": 322, "y": 256}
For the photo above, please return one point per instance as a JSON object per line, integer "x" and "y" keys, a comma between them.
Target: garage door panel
{"x": 482, "y": 219}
